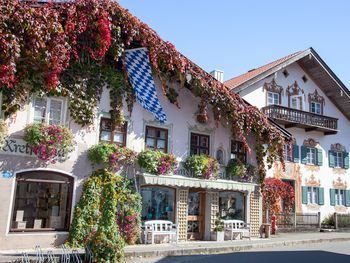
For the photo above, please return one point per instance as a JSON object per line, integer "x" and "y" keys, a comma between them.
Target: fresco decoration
{"x": 294, "y": 89}
{"x": 340, "y": 184}
{"x": 312, "y": 181}
{"x": 315, "y": 97}
{"x": 337, "y": 147}
{"x": 273, "y": 87}
{"x": 291, "y": 172}
{"x": 311, "y": 143}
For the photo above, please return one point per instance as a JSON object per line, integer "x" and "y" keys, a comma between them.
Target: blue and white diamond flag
{"x": 140, "y": 76}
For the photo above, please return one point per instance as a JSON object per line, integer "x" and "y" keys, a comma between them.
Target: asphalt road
{"x": 313, "y": 253}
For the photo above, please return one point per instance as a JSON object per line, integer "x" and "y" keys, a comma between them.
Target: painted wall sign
{"x": 16, "y": 147}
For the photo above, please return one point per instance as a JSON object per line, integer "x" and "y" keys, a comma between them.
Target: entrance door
{"x": 196, "y": 212}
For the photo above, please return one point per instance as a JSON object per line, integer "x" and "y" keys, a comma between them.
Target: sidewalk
{"x": 212, "y": 247}
{"x": 205, "y": 247}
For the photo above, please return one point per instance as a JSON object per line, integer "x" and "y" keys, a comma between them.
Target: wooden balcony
{"x": 301, "y": 119}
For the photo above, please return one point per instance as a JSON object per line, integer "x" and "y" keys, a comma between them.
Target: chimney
{"x": 218, "y": 74}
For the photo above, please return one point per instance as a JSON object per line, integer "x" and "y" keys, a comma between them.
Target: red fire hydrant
{"x": 273, "y": 225}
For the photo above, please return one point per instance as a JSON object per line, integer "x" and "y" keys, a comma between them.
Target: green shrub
{"x": 328, "y": 220}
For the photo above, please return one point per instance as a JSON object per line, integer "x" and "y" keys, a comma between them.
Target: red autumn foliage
{"x": 39, "y": 42}
{"x": 276, "y": 191}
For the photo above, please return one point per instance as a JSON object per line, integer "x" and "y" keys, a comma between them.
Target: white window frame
{"x": 338, "y": 160}
{"x": 312, "y": 195}
{"x": 319, "y": 106}
{"x": 311, "y": 156}
{"x": 47, "y": 112}
{"x": 339, "y": 197}
{"x": 273, "y": 97}
{"x": 299, "y": 99}
{"x": 288, "y": 153}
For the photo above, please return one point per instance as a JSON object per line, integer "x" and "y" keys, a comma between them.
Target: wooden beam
{"x": 330, "y": 133}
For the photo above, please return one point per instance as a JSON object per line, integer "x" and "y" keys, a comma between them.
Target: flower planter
{"x": 218, "y": 236}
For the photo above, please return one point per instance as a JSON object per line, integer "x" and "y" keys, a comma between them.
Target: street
{"x": 308, "y": 253}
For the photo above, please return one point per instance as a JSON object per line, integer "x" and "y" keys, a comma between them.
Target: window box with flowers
{"x": 236, "y": 170}
{"x": 49, "y": 142}
{"x": 202, "y": 166}
{"x": 157, "y": 162}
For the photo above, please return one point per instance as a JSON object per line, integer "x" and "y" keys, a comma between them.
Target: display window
{"x": 43, "y": 201}
{"x": 158, "y": 203}
{"x": 232, "y": 205}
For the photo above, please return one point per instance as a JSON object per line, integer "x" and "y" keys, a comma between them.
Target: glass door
{"x": 196, "y": 212}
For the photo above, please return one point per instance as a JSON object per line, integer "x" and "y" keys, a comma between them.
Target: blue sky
{"x": 236, "y": 36}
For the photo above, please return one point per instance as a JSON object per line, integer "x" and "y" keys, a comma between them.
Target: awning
{"x": 181, "y": 181}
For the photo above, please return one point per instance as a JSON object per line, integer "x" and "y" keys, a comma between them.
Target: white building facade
{"x": 303, "y": 95}
{"x": 37, "y": 198}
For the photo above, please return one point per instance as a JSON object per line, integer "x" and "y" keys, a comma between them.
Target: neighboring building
{"x": 301, "y": 93}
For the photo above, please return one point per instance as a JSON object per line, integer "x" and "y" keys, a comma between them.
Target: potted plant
{"x": 219, "y": 230}
{"x": 202, "y": 166}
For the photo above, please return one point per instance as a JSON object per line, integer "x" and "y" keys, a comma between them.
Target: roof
{"x": 236, "y": 81}
{"x": 313, "y": 65}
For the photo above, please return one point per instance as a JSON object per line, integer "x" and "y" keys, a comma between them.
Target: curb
{"x": 228, "y": 249}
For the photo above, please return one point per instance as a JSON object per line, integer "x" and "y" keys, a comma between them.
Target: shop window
{"x": 238, "y": 152}
{"x": 158, "y": 203}
{"x": 111, "y": 133}
{"x": 199, "y": 144}
{"x": 49, "y": 110}
{"x": 232, "y": 205}
{"x": 42, "y": 202}
{"x": 157, "y": 139}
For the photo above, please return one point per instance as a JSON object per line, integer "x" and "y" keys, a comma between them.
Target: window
{"x": 288, "y": 153}
{"x": 273, "y": 98}
{"x": 316, "y": 107}
{"x": 111, "y": 133}
{"x": 157, "y": 139}
{"x": 338, "y": 161}
{"x": 42, "y": 201}
{"x": 311, "y": 156}
{"x": 49, "y": 110}
{"x": 158, "y": 203}
{"x": 220, "y": 156}
{"x": 312, "y": 195}
{"x": 199, "y": 144}
{"x": 231, "y": 205}
{"x": 339, "y": 197}
{"x": 297, "y": 102}
{"x": 238, "y": 151}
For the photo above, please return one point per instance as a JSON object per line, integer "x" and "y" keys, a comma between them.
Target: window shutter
{"x": 332, "y": 196}
{"x": 319, "y": 157}
{"x": 295, "y": 153}
{"x": 331, "y": 158}
{"x": 346, "y": 160}
{"x": 303, "y": 154}
{"x": 320, "y": 195}
{"x": 304, "y": 194}
{"x": 347, "y": 198}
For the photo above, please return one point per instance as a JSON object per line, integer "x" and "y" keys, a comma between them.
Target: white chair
{"x": 154, "y": 228}
{"x": 237, "y": 227}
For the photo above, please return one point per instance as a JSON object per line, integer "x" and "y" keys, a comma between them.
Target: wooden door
{"x": 196, "y": 215}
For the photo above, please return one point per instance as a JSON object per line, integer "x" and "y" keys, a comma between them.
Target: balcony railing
{"x": 302, "y": 119}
